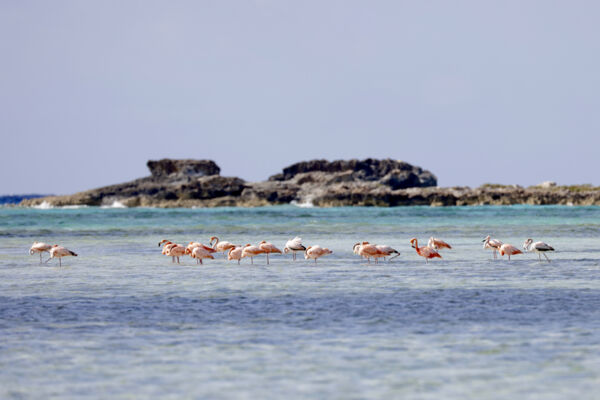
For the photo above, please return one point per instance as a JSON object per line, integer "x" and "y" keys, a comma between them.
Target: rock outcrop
{"x": 197, "y": 183}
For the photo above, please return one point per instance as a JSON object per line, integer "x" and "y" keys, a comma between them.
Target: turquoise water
{"x": 122, "y": 321}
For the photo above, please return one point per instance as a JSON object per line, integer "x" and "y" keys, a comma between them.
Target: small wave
{"x": 74, "y": 206}
{"x": 44, "y": 206}
{"x": 304, "y": 204}
{"x": 115, "y": 204}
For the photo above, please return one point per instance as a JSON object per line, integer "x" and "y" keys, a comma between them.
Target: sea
{"x": 122, "y": 321}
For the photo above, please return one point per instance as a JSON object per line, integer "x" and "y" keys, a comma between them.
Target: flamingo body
{"x": 39, "y": 247}
{"x": 294, "y": 245}
{"x": 424, "y": 251}
{"x": 251, "y": 251}
{"x": 59, "y": 252}
{"x": 437, "y": 244}
{"x": 492, "y": 244}
{"x": 268, "y": 248}
{"x": 315, "y": 252}
{"x": 538, "y": 247}
{"x": 509, "y": 250}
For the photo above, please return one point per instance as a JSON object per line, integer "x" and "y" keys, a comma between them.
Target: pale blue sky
{"x": 475, "y": 91}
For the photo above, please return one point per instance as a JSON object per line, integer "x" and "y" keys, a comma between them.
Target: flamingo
{"x": 437, "y": 244}
{"x": 315, "y": 252}
{"x": 235, "y": 253}
{"x": 425, "y": 251}
{"x": 39, "y": 247}
{"x": 509, "y": 250}
{"x": 268, "y": 248}
{"x": 220, "y": 247}
{"x": 538, "y": 247}
{"x": 367, "y": 250}
{"x": 386, "y": 251}
{"x": 59, "y": 252}
{"x": 176, "y": 251}
{"x": 251, "y": 251}
{"x": 294, "y": 245}
{"x": 199, "y": 253}
{"x": 167, "y": 248}
{"x": 493, "y": 244}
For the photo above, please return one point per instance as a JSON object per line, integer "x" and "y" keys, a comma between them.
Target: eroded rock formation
{"x": 370, "y": 182}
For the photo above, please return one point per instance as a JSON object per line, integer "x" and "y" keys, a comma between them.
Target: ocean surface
{"x": 121, "y": 321}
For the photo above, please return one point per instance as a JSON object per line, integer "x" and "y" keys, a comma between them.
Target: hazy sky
{"x": 474, "y": 91}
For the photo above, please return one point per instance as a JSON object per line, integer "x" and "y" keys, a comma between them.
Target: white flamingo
{"x": 492, "y": 244}
{"x": 538, "y": 247}
{"x": 39, "y": 247}
{"x": 294, "y": 245}
{"x": 59, "y": 252}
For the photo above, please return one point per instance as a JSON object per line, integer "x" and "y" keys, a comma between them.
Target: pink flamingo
{"x": 251, "y": 251}
{"x": 268, "y": 248}
{"x": 235, "y": 253}
{"x": 509, "y": 250}
{"x": 437, "y": 244}
{"x": 424, "y": 251}
{"x": 199, "y": 253}
{"x": 220, "y": 247}
{"x": 315, "y": 252}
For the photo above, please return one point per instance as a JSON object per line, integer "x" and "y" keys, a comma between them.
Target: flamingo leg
{"x": 40, "y": 258}
{"x": 546, "y": 257}
{"x": 540, "y": 256}
{"x": 238, "y": 262}
{"x": 315, "y": 261}
{"x": 177, "y": 259}
{"x": 48, "y": 260}
{"x": 200, "y": 261}
{"x": 267, "y": 258}
{"x": 252, "y": 260}
{"x": 59, "y": 262}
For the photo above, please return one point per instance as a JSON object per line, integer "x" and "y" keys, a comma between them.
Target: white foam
{"x": 304, "y": 204}
{"x": 44, "y": 205}
{"x": 115, "y": 204}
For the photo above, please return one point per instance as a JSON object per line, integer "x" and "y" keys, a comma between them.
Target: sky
{"x": 474, "y": 91}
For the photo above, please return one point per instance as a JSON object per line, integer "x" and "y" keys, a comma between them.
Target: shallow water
{"x": 121, "y": 321}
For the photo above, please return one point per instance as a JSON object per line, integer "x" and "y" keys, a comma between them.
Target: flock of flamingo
{"x": 366, "y": 250}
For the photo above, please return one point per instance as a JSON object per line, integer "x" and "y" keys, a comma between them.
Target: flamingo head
{"x": 213, "y": 238}
{"x": 413, "y": 243}
{"x": 286, "y": 250}
{"x": 527, "y": 243}
{"x": 263, "y": 242}
{"x": 162, "y": 241}
{"x": 487, "y": 239}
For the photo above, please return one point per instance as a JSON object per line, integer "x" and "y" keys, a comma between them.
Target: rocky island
{"x": 322, "y": 183}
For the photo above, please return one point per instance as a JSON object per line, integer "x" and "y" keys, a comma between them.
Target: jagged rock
{"x": 396, "y": 174}
{"x": 190, "y": 183}
{"x": 189, "y": 168}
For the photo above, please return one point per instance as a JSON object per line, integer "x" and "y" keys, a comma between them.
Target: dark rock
{"x": 362, "y": 170}
{"x": 188, "y": 168}
{"x": 189, "y": 183}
